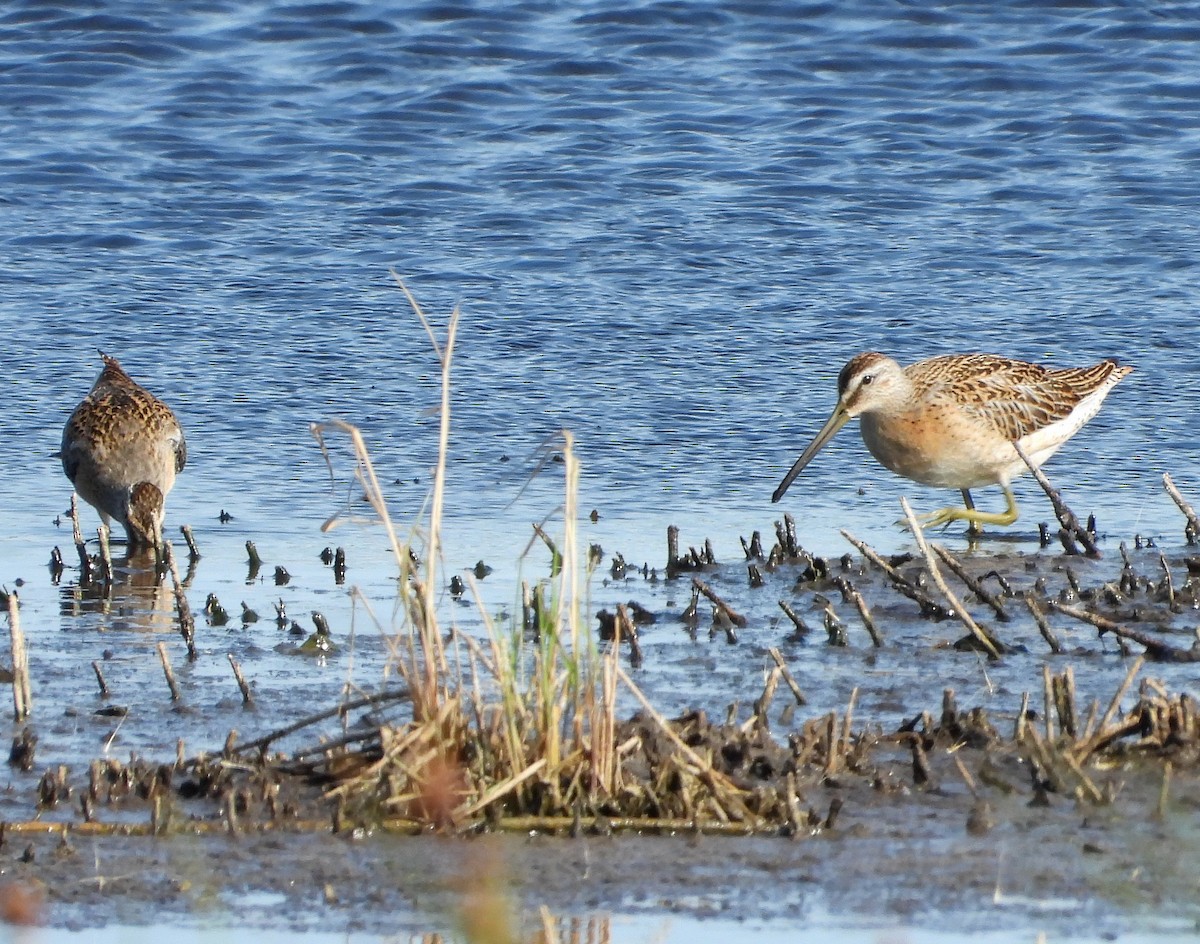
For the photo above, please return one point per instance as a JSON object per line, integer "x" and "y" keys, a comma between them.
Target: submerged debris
{"x": 690, "y": 773}
{"x": 521, "y": 732}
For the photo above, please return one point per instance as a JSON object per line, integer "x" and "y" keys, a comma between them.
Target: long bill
{"x": 839, "y": 419}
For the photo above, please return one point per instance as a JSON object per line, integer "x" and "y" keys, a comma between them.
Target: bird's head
{"x": 145, "y": 517}
{"x": 869, "y": 383}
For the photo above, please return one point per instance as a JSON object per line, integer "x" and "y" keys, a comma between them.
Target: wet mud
{"x": 820, "y": 733}
{"x": 899, "y": 854}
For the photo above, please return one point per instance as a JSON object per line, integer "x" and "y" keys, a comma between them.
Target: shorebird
{"x": 121, "y": 449}
{"x": 950, "y": 421}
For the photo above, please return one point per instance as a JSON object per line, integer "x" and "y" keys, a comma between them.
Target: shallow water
{"x": 667, "y": 225}
{"x": 631, "y": 930}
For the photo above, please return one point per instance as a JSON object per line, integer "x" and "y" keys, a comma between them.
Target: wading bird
{"x": 121, "y": 449}
{"x": 950, "y": 421}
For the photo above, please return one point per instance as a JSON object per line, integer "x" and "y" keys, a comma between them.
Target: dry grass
{"x": 517, "y": 728}
{"x": 513, "y": 723}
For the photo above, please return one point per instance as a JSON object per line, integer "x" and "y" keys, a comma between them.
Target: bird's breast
{"x": 933, "y": 447}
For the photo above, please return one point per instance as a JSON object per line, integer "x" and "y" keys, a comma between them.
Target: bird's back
{"x": 118, "y": 436}
{"x": 1016, "y": 399}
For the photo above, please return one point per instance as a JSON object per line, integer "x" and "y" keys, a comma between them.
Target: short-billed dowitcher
{"x": 951, "y": 421}
{"x": 121, "y": 449}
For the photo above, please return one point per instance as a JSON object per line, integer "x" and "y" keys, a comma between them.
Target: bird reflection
{"x": 138, "y": 598}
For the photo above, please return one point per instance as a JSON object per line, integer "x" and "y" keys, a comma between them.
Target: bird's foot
{"x": 975, "y": 519}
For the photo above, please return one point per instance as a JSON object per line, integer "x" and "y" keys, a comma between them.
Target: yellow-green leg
{"x": 972, "y": 515}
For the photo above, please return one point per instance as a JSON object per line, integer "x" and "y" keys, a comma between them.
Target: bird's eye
{"x": 867, "y": 378}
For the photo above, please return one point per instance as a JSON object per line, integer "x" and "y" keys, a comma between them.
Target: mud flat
{"x": 998, "y": 734}
{"x": 1018, "y": 747}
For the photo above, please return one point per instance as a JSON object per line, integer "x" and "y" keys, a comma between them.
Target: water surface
{"x": 666, "y": 225}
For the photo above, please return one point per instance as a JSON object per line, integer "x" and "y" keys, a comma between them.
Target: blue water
{"x": 666, "y": 225}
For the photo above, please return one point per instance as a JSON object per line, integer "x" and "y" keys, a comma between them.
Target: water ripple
{"x": 667, "y": 222}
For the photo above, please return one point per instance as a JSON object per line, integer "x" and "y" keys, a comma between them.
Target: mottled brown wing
{"x": 69, "y": 453}
{"x": 1014, "y": 397}
{"x": 89, "y": 420}
{"x": 116, "y": 413}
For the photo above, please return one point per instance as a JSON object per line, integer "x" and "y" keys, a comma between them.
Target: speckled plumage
{"x": 950, "y": 421}
{"x": 121, "y": 449}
